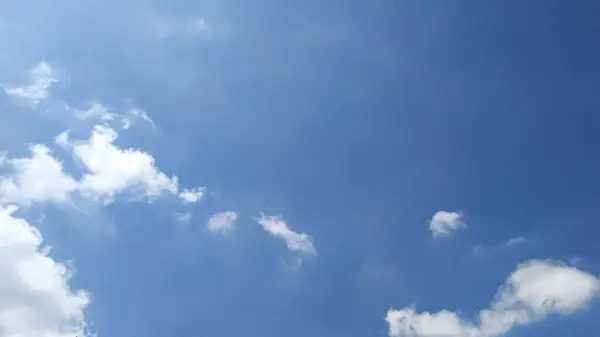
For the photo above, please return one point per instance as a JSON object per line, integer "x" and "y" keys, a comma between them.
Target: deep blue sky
{"x": 356, "y": 121}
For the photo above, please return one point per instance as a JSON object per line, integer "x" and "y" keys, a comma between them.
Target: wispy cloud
{"x": 299, "y": 242}
{"x": 184, "y": 218}
{"x": 41, "y": 77}
{"x": 480, "y": 251}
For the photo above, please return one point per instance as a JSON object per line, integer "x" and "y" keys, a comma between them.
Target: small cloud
{"x": 190, "y": 196}
{"x": 135, "y": 114}
{"x": 515, "y": 241}
{"x": 42, "y": 76}
{"x": 94, "y": 111}
{"x": 223, "y": 222}
{"x": 480, "y": 251}
{"x": 299, "y": 242}
{"x": 200, "y": 27}
{"x": 183, "y": 218}
{"x": 443, "y": 223}
{"x": 99, "y": 111}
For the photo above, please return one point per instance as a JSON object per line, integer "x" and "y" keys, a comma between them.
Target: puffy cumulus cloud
{"x": 443, "y": 223}
{"x": 35, "y": 297}
{"x": 299, "y": 242}
{"x": 111, "y": 170}
{"x": 190, "y": 196}
{"x": 535, "y": 290}
{"x": 223, "y": 222}
{"x": 42, "y": 76}
{"x": 40, "y": 178}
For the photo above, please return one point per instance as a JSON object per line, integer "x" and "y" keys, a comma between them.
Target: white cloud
{"x": 94, "y": 111}
{"x": 37, "y": 179}
{"x": 42, "y": 76}
{"x": 190, "y": 196}
{"x": 300, "y": 242}
{"x": 222, "y": 222}
{"x": 535, "y": 290}
{"x": 443, "y": 223}
{"x": 183, "y": 218}
{"x": 135, "y": 114}
{"x": 35, "y": 297}
{"x": 102, "y": 112}
{"x": 111, "y": 170}
{"x": 515, "y": 241}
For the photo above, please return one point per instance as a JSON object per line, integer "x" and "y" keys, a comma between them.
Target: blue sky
{"x": 413, "y": 169}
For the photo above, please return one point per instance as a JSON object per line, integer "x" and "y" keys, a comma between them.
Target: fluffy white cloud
{"x": 300, "y": 242}
{"x": 35, "y": 297}
{"x": 443, "y": 223}
{"x": 536, "y": 289}
{"x": 190, "y": 196}
{"x": 222, "y": 222}
{"x": 37, "y": 179}
{"x": 111, "y": 170}
{"x": 42, "y": 76}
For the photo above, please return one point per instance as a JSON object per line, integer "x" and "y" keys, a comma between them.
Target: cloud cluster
{"x": 535, "y": 290}
{"x": 35, "y": 297}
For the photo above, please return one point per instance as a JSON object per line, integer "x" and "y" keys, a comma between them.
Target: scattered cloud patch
{"x": 443, "y": 223}
{"x": 223, "y": 222}
{"x": 40, "y": 178}
{"x": 190, "y": 196}
{"x": 42, "y": 76}
{"x": 35, "y": 296}
{"x": 535, "y": 290}
{"x": 299, "y": 242}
